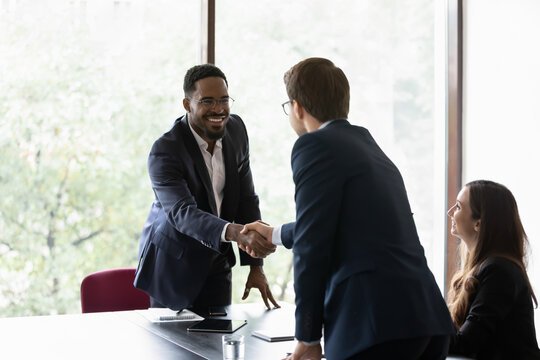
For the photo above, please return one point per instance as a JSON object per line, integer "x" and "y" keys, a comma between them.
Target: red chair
{"x": 112, "y": 290}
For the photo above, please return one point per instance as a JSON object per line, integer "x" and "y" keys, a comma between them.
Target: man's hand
{"x": 262, "y": 228}
{"x": 304, "y": 352}
{"x": 258, "y": 246}
{"x": 257, "y": 279}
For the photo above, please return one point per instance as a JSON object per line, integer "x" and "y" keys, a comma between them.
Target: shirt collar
{"x": 202, "y": 143}
{"x": 325, "y": 124}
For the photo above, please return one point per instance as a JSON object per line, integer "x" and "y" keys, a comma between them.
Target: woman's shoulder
{"x": 500, "y": 267}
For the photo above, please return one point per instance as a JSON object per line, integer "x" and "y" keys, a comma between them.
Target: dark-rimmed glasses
{"x": 211, "y": 103}
{"x": 286, "y": 108}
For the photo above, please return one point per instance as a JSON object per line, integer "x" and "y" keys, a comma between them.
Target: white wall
{"x": 502, "y": 107}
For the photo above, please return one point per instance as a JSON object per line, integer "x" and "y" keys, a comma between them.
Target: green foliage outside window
{"x": 87, "y": 86}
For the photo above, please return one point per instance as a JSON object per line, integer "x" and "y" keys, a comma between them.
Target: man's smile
{"x": 216, "y": 119}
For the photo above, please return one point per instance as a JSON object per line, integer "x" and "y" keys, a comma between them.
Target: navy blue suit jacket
{"x": 182, "y": 235}
{"x": 359, "y": 268}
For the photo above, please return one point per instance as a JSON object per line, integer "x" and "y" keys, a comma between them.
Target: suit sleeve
{"x": 318, "y": 202}
{"x": 287, "y": 235}
{"x": 494, "y": 299}
{"x": 171, "y": 189}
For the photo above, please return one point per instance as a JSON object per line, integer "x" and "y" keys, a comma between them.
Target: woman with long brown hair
{"x": 491, "y": 298}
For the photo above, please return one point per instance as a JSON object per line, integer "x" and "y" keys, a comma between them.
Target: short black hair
{"x": 199, "y": 72}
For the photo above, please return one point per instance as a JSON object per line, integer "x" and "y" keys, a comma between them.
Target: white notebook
{"x": 273, "y": 334}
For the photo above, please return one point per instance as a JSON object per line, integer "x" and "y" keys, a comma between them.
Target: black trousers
{"x": 423, "y": 348}
{"x": 216, "y": 290}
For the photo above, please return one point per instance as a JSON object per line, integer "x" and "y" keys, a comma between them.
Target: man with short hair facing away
{"x": 359, "y": 270}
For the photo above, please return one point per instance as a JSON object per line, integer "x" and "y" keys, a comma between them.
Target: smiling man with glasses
{"x": 203, "y": 190}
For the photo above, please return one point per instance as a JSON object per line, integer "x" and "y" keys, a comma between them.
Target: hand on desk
{"x": 262, "y": 229}
{"x": 304, "y": 352}
{"x": 257, "y": 279}
{"x": 258, "y": 246}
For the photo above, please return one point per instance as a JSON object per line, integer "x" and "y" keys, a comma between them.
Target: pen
{"x": 289, "y": 354}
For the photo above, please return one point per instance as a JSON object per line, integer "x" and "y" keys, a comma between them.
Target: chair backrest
{"x": 112, "y": 290}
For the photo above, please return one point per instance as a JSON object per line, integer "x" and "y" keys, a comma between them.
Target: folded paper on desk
{"x": 158, "y": 315}
{"x": 273, "y": 335}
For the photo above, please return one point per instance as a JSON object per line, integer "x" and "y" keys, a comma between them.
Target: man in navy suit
{"x": 204, "y": 191}
{"x": 360, "y": 274}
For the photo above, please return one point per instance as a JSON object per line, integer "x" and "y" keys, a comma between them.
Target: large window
{"x": 86, "y": 87}
{"x": 392, "y": 53}
{"x": 501, "y": 115}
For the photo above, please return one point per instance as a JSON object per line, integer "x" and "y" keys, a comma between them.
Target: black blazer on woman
{"x": 500, "y": 320}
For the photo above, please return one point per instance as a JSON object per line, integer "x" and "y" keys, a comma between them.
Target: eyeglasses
{"x": 211, "y": 103}
{"x": 286, "y": 108}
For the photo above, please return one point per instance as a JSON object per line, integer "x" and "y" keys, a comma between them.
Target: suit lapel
{"x": 230, "y": 192}
{"x": 195, "y": 153}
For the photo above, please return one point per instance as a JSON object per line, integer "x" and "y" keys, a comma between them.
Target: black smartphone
{"x": 217, "y": 311}
{"x": 217, "y": 325}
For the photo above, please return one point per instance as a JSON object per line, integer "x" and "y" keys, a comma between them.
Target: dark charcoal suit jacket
{"x": 359, "y": 268}
{"x": 182, "y": 235}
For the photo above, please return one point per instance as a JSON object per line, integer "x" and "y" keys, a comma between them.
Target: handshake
{"x": 254, "y": 238}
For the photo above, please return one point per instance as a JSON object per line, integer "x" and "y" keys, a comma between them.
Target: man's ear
{"x": 298, "y": 109}
{"x": 185, "y": 102}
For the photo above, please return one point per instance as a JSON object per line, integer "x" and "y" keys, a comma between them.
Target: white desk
{"x": 129, "y": 335}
